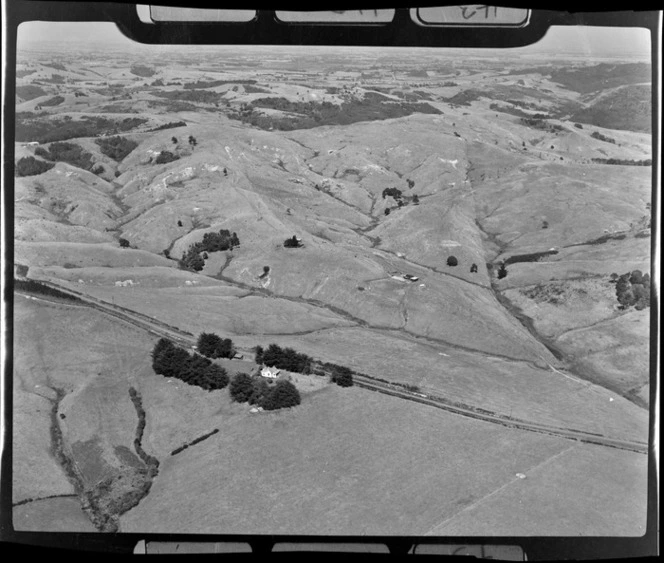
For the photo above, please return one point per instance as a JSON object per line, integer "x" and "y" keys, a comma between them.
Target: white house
{"x": 270, "y": 372}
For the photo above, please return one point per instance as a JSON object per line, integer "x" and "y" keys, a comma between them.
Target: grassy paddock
{"x": 349, "y": 461}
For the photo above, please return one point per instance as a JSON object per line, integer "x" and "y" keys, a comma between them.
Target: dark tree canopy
{"x": 285, "y": 358}
{"x": 241, "y": 387}
{"x": 342, "y": 376}
{"x": 116, "y": 147}
{"x": 30, "y": 166}
{"x": 452, "y": 261}
{"x": 213, "y": 346}
{"x": 292, "y": 242}
{"x": 283, "y": 395}
{"x": 124, "y": 243}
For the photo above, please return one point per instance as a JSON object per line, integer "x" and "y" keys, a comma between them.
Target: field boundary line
{"x": 499, "y": 489}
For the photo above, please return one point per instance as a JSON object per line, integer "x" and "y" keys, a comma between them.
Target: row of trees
{"x": 623, "y": 161}
{"x": 257, "y": 391}
{"x": 170, "y": 360}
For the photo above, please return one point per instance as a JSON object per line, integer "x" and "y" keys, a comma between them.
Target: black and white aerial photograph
{"x": 331, "y": 290}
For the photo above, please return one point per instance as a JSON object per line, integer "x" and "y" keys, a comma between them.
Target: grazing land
{"x": 460, "y": 249}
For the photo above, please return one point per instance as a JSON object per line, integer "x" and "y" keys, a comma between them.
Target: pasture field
{"x": 519, "y": 389}
{"x": 52, "y": 515}
{"x": 351, "y": 461}
{"x": 404, "y": 224}
{"x": 614, "y": 494}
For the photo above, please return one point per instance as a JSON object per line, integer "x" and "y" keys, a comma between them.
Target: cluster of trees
{"x": 213, "y": 346}
{"x": 632, "y": 288}
{"x": 142, "y": 70}
{"x": 284, "y": 358}
{"x": 71, "y": 153}
{"x": 54, "y": 101}
{"x": 170, "y": 360}
{"x": 292, "y": 242}
{"x": 116, "y": 147}
{"x": 30, "y": 127}
{"x": 539, "y": 123}
{"x": 341, "y": 375}
{"x": 290, "y": 360}
{"x": 164, "y": 157}
{"x": 31, "y": 166}
{"x": 597, "y": 135}
{"x": 623, "y": 162}
{"x": 257, "y": 391}
{"x": 198, "y": 96}
{"x": 518, "y": 112}
{"x": 212, "y": 242}
{"x": 393, "y": 192}
{"x": 305, "y": 115}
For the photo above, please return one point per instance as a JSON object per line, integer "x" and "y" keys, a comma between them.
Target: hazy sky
{"x": 593, "y": 41}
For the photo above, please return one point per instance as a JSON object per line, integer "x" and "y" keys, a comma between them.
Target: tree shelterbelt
{"x": 170, "y": 360}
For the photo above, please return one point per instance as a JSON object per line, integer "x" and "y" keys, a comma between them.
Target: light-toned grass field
{"x": 52, "y": 515}
{"x": 611, "y": 503}
{"x": 351, "y": 461}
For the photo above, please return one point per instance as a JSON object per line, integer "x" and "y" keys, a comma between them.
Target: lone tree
{"x": 124, "y": 243}
{"x": 502, "y": 271}
{"x": 192, "y": 141}
{"x": 452, "y": 261}
{"x": 292, "y": 242}
{"x": 473, "y": 268}
{"x": 174, "y": 140}
{"x": 416, "y": 199}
